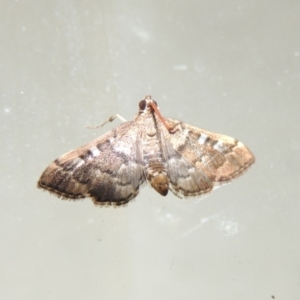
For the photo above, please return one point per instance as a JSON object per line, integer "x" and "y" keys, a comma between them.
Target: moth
{"x": 166, "y": 153}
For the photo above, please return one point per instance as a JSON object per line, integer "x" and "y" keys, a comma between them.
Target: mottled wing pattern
{"x": 185, "y": 179}
{"x": 108, "y": 169}
{"x": 201, "y": 158}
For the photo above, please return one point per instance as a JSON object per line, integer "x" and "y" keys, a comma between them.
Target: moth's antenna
{"x": 153, "y": 105}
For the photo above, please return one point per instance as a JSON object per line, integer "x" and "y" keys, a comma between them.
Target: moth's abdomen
{"x": 156, "y": 174}
{"x": 160, "y": 183}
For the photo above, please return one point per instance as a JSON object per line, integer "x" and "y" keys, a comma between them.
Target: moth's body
{"x": 169, "y": 154}
{"x": 155, "y": 166}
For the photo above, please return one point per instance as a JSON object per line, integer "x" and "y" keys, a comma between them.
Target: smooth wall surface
{"x": 231, "y": 67}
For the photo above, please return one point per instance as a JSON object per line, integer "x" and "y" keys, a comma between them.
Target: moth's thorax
{"x": 150, "y": 122}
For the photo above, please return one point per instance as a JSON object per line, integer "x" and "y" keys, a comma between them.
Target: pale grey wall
{"x": 226, "y": 66}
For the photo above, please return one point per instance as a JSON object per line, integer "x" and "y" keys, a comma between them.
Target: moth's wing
{"x": 221, "y": 158}
{"x": 185, "y": 179}
{"x": 109, "y": 169}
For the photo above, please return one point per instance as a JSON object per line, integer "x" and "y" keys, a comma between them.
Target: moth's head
{"x": 147, "y": 104}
